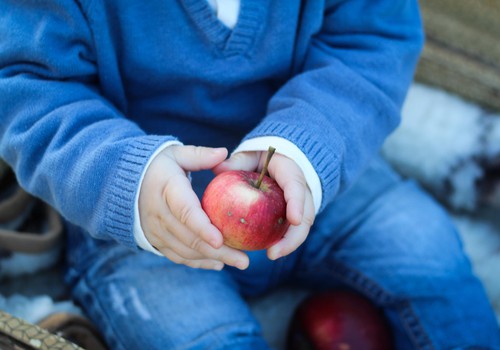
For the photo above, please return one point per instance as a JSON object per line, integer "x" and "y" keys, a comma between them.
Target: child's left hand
{"x": 298, "y": 197}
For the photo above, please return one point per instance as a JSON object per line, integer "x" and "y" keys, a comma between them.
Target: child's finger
{"x": 247, "y": 161}
{"x": 195, "y": 158}
{"x": 227, "y": 255}
{"x": 186, "y": 207}
{"x": 188, "y": 245}
{"x": 291, "y": 179}
{"x": 167, "y": 243}
{"x": 296, "y": 235}
{"x": 206, "y": 264}
{"x": 295, "y": 191}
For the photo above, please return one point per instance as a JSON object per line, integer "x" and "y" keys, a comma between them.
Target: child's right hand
{"x": 171, "y": 215}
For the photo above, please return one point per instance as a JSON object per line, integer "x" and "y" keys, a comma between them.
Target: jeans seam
{"x": 218, "y": 341}
{"x": 359, "y": 281}
{"x": 412, "y": 324}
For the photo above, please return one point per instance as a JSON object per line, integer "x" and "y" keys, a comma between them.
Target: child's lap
{"x": 139, "y": 300}
{"x": 384, "y": 237}
{"x": 389, "y": 240}
{"x": 389, "y": 229}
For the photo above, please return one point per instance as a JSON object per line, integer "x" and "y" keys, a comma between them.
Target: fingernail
{"x": 218, "y": 150}
{"x": 242, "y": 265}
{"x": 274, "y": 255}
{"x": 214, "y": 242}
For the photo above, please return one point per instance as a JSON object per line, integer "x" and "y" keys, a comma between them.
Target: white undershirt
{"x": 227, "y": 12}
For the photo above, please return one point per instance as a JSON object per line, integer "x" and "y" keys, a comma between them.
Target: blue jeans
{"x": 384, "y": 238}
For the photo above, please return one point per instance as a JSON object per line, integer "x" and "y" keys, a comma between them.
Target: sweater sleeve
{"x": 347, "y": 97}
{"x": 67, "y": 144}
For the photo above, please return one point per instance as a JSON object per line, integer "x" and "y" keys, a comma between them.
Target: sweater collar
{"x": 229, "y": 42}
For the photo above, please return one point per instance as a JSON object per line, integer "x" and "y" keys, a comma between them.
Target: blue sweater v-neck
{"x": 90, "y": 88}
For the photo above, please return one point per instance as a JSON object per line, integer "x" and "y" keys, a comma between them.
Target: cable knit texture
{"x": 85, "y": 85}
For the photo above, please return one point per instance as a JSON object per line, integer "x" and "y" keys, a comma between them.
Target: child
{"x": 97, "y": 96}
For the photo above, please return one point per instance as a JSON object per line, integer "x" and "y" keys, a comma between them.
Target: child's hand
{"x": 171, "y": 215}
{"x": 298, "y": 197}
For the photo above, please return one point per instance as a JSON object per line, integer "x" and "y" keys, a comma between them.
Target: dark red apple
{"x": 247, "y": 207}
{"x": 339, "y": 320}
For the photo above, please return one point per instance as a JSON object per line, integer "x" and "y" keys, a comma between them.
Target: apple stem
{"x": 270, "y": 153}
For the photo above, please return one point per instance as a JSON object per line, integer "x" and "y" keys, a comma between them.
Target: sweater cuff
{"x": 119, "y": 216}
{"x": 290, "y": 150}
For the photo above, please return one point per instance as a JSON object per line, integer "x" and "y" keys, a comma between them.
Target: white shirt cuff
{"x": 139, "y": 236}
{"x": 290, "y": 150}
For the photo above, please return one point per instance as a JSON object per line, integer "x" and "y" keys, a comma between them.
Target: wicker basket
{"x": 462, "y": 50}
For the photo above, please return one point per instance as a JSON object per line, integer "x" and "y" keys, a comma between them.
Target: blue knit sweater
{"x": 89, "y": 89}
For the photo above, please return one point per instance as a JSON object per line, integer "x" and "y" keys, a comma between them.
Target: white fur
{"x": 24, "y": 264}
{"x": 36, "y": 308}
{"x": 441, "y": 137}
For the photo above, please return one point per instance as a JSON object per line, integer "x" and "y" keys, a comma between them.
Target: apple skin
{"x": 340, "y": 320}
{"x": 249, "y": 218}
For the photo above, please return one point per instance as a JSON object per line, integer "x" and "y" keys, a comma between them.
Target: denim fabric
{"x": 384, "y": 237}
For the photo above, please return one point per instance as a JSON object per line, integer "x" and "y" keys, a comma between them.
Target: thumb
{"x": 248, "y": 161}
{"x": 194, "y": 158}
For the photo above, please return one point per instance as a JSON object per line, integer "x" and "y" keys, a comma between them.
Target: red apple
{"x": 247, "y": 207}
{"x": 340, "y": 320}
